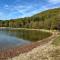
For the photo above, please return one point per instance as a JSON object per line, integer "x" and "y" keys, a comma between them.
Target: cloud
{"x": 33, "y": 11}
{"x": 6, "y": 6}
{"x": 22, "y": 8}
{"x": 54, "y": 1}
{"x": 2, "y": 16}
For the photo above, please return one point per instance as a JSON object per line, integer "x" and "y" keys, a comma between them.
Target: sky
{"x": 12, "y": 9}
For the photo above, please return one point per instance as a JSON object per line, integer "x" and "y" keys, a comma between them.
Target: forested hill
{"x": 49, "y": 19}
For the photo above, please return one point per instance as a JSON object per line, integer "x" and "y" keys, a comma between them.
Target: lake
{"x": 13, "y": 38}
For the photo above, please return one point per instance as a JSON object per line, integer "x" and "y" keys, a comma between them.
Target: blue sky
{"x": 11, "y": 9}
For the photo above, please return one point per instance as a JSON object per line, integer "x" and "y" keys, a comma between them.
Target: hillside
{"x": 49, "y": 19}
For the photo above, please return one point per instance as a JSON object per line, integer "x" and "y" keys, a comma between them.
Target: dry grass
{"x": 41, "y": 53}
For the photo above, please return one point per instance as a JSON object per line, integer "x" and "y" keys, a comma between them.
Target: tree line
{"x": 49, "y": 19}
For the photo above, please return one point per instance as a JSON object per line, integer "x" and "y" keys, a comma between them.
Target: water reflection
{"x": 11, "y": 38}
{"x": 7, "y": 40}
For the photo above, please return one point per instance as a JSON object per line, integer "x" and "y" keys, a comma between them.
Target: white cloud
{"x": 2, "y": 16}
{"x": 35, "y": 11}
{"x": 22, "y": 9}
{"x": 6, "y": 6}
{"x": 54, "y": 1}
{"x": 44, "y": 7}
{"x": 1, "y": 13}
{"x": 26, "y": 10}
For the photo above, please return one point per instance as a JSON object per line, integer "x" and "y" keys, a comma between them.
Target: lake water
{"x": 8, "y": 40}
{"x": 14, "y": 38}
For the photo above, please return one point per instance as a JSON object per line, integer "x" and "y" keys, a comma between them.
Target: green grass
{"x": 56, "y": 41}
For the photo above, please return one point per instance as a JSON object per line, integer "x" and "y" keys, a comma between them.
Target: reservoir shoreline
{"x": 10, "y": 53}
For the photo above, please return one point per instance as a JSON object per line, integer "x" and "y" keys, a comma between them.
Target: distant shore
{"x": 27, "y": 29}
